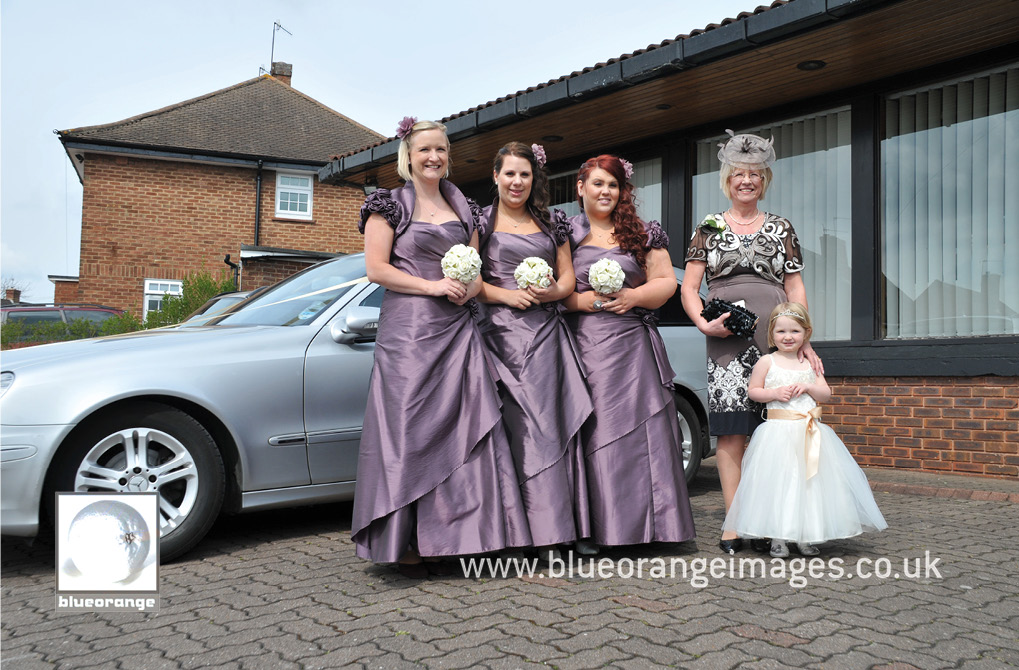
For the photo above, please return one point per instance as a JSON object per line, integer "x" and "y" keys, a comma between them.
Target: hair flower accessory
{"x": 627, "y": 167}
{"x": 539, "y": 154}
{"x": 405, "y": 126}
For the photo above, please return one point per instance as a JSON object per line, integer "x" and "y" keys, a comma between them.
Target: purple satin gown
{"x": 435, "y": 471}
{"x": 635, "y": 476}
{"x": 545, "y": 398}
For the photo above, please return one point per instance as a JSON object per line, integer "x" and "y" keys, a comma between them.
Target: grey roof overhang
{"x": 776, "y": 23}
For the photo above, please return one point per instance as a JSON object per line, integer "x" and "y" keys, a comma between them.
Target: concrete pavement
{"x": 283, "y": 589}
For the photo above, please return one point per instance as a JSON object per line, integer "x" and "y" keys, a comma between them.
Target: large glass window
{"x": 950, "y": 215}
{"x": 647, "y": 185}
{"x": 811, "y": 188}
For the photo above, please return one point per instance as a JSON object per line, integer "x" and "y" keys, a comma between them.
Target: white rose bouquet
{"x": 533, "y": 271}
{"x": 462, "y": 263}
{"x": 606, "y": 276}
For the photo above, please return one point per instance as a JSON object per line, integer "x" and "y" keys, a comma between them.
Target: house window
{"x": 811, "y": 188}
{"x": 950, "y": 208}
{"x": 156, "y": 290}
{"x": 294, "y": 195}
{"x": 647, "y": 186}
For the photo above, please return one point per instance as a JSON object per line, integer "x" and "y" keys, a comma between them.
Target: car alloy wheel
{"x": 149, "y": 447}
{"x": 690, "y": 437}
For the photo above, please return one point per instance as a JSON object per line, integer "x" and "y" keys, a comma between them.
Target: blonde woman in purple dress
{"x": 636, "y": 482}
{"x": 435, "y": 475}
{"x": 544, "y": 394}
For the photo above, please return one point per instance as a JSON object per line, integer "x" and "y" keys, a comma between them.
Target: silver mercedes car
{"x": 259, "y": 408}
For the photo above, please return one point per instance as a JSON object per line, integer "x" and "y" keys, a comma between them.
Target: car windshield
{"x": 299, "y": 299}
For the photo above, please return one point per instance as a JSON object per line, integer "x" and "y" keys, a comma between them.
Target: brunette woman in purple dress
{"x": 545, "y": 398}
{"x": 634, "y": 463}
{"x": 435, "y": 475}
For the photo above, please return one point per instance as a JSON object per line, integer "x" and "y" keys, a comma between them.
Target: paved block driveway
{"x": 283, "y": 590}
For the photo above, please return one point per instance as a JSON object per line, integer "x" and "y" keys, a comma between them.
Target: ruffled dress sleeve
{"x": 562, "y": 229}
{"x": 381, "y": 202}
{"x": 480, "y": 222}
{"x": 657, "y": 238}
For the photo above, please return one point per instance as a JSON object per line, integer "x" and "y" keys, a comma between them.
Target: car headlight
{"x": 6, "y": 379}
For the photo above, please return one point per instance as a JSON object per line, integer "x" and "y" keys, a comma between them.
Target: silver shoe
{"x": 587, "y": 548}
{"x": 779, "y": 549}
{"x": 808, "y": 550}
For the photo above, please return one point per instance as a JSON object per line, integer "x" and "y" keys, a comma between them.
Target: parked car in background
{"x": 261, "y": 407}
{"x": 52, "y": 313}
{"x": 218, "y": 304}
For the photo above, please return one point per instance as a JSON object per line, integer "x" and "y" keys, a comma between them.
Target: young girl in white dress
{"x": 799, "y": 482}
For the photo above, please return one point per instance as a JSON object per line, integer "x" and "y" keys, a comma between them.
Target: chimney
{"x": 282, "y": 72}
{"x": 14, "y": 295}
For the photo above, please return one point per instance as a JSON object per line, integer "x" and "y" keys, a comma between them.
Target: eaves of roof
{"x": 748, "y": 30}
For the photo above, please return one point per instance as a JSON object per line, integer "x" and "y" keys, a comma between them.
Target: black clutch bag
{"x": 741, "y": 322}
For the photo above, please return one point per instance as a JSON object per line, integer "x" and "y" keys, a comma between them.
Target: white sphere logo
{"x": 109, "y": 541}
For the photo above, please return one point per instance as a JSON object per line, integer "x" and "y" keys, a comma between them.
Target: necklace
{"x": 732, "y": 216}
{"x": 516, "y": 224}
{"x": 604, "y": 235}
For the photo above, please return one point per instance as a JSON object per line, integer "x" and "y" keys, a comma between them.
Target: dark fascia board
{"x": 654, "y": 63}
{"x": 462, "y": 126}
{"x": 361, "y": 159}
{"x": 595, "y": 82}
{"x": 333, "y": 169}
{"x": 544, "y": 99}
{"x": 721, "y": 41}
{"x": 786, "y": 20}
{"x": 499, "y": 114}
{"x": 80, "y": 146}
{"x": 385, "y": 153}
{"x": 840, "y": 8}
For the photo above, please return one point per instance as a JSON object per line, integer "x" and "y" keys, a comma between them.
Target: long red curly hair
{"x": 629, "y": 229}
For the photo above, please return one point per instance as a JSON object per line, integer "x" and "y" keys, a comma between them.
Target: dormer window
{"x": 293, "y": 195}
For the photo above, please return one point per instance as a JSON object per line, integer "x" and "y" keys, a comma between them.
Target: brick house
{"x": 895, "y": 124}
{"x": 233, "y": 172}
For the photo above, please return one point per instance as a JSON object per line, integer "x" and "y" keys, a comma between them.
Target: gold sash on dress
{"x": 812, "y": 441}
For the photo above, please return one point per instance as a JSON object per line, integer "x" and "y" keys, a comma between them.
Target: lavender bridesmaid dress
{"x": 545, "y": 398}
{"x": 634, "y": 463}
{"x": 434, "y": 469}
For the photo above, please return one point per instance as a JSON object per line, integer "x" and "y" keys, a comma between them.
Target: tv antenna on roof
{"x": 272, "y": 54}
{"x": 277, "y": 26}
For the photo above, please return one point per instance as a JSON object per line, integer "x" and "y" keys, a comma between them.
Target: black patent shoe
{"x": 760, "y": 545}
{"x": 731, "y": 546}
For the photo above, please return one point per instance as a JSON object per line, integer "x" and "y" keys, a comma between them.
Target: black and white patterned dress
{"x": 751, "y": 268}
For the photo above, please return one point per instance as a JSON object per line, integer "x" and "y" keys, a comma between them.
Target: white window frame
{"x": 157, "y": 289}
{"x": 296, "y": 190}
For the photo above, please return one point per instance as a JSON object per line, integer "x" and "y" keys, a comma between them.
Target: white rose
{"x": 606, "y": 276}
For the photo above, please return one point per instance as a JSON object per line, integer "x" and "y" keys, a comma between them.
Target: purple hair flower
{"x": 405, "y": 126}
{"x": 627, "y": 167}
{"x": 539, "y": 154}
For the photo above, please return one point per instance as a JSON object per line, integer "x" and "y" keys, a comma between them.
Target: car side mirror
{"x": 361, "y": 324}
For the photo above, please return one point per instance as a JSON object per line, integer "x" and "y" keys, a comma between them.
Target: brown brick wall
{"x": 965, "y": 425}
{"x": 258, "y": 273}
{"x": 145, "y": 218}
{"x": 66, "y": 291}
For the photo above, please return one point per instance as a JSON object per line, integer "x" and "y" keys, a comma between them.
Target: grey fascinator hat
{"x": 747, "y": 151}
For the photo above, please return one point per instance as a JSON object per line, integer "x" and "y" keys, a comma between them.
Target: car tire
{"x": 182, "y": 462}
{"x": 690, "y": 437}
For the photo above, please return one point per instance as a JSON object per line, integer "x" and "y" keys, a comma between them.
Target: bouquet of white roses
{"x": 462, "y": 263}
{"x": 533, "y": 271}
{"x": 606, "y": 276}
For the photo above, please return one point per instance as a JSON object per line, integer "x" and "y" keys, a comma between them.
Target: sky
{"x": 67, "y": 64}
